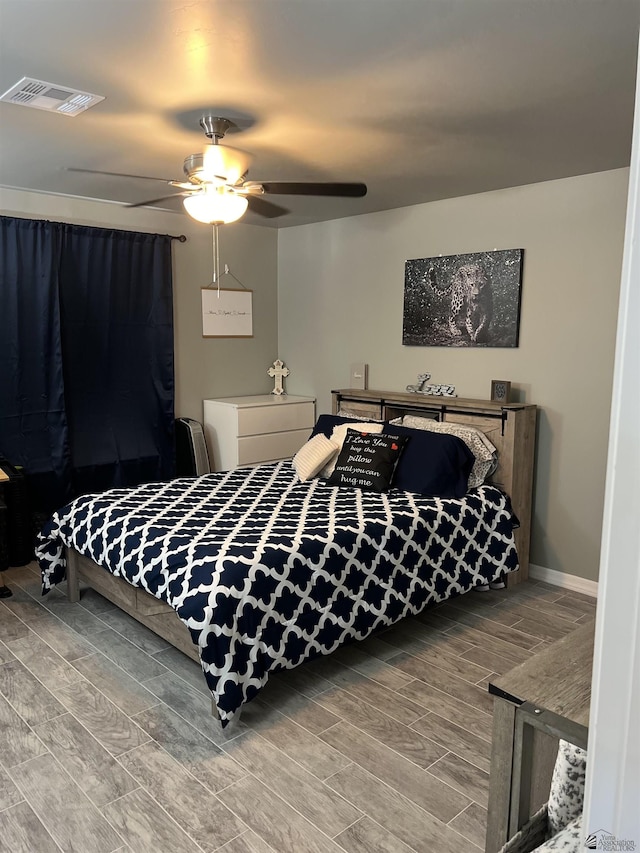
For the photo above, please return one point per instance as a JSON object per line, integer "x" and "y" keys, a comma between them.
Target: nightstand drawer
{"x": 258, "y": 428}
{"x": 256, "y": 420}
{"x": 269, "y": 447}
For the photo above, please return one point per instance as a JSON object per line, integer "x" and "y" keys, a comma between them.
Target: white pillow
{"x": 313, "y": 455}
{"x": 338, "y": 436}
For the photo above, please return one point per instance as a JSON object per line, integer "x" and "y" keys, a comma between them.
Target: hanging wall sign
{"x": 227, "y": 313}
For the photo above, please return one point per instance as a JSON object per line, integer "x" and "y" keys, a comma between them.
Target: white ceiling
{"x": 420, "y": 99}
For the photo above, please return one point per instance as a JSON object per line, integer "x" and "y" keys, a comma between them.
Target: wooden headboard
{"x": 510, "y": 427}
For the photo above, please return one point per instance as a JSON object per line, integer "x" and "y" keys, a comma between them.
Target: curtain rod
{"x": 181, "y": 238}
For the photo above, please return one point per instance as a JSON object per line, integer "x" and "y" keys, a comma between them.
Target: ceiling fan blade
{"x": 154, "y": 200}
{"x": 298, "y": 188}
{"x": 118, "y": 175}
{"x": 262, "y": 207}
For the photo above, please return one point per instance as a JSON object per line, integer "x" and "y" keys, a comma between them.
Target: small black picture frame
{"x": 500, "y": 390}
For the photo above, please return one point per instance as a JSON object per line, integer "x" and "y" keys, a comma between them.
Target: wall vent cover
{"x": 50, "y": 96}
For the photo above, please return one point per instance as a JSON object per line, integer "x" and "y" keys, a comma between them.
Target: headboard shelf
{"x": 427, "y": 401}
{"x": 511, "y": 427}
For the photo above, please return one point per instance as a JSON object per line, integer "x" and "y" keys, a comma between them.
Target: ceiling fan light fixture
{"x": 222, "y": 161}
{"x": 215, "y": 206}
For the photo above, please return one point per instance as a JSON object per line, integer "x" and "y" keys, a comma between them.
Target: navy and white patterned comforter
{"x": 267, "y": 571}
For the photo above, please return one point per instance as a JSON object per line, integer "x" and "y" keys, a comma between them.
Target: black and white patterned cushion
{"x": 566, "y": 797}
{"x": 568, "y": 840}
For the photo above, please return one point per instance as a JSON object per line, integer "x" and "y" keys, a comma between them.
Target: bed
{"x": 265, "y": 571}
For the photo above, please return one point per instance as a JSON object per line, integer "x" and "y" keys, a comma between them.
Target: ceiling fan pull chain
{"x": 217, "y": 269}
{"x": 217, "y": 275}
{"x": 216, "y": 257}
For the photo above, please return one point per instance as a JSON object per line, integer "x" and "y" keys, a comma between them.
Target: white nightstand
{"x": 250, "y": 430}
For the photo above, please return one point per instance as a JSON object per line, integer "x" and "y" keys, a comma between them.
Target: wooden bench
{"x": 535, "y": 704}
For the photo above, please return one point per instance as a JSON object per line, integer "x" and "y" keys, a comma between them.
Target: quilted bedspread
{"x": 267, "y": 571}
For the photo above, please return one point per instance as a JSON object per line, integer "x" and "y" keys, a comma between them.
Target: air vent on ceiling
{"x": 49, "y": 96}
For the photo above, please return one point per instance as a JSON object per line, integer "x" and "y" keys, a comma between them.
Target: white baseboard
{"x": 562, "y": 579}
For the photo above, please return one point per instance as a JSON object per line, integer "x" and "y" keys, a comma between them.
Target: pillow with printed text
{"x": 367, "y": 461}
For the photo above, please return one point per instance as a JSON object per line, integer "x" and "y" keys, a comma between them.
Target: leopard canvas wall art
{"x": 467, "y": 300}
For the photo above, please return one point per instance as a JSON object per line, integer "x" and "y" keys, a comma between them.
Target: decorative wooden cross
{"x": 278, "y": 371}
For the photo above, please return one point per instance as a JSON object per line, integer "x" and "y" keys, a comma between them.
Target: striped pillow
{"x": 314, "y": 455}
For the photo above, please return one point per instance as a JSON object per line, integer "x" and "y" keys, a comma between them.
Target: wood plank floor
{"x": 107, "y": 743}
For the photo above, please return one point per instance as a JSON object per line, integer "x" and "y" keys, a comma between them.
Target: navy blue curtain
{"x": 86, "y": 357}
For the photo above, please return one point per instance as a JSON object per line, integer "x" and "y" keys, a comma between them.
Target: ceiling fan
{"x": 216, "y": 190}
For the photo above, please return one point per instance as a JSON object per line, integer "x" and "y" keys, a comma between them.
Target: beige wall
{"x": 203, "y": 367}
{"x": 340, "y": 301}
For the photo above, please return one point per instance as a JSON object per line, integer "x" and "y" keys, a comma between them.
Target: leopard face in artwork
{"x": 471, "y": 302}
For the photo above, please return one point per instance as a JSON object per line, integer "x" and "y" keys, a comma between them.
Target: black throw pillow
{"x": 434, "y": 464}
{"x": 367, "y": 461}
